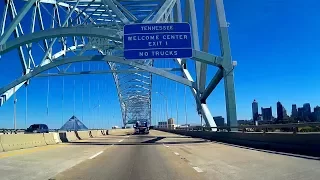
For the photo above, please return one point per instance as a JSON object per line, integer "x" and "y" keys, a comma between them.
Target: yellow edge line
{"x": 28, "y": 151}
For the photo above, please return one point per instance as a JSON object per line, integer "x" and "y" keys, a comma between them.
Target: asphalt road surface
{"x": 137, "y": 157}
{"x": 157, "y": 156}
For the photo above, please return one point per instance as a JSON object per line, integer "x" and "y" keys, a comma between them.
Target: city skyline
{"x": 306, "y": 112}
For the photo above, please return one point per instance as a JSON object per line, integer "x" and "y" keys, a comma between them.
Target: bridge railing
{"x": 290, "y": 128}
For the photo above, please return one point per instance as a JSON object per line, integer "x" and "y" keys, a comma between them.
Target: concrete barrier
{"x": 21, "y": 141}
{"x": 1, "y": 148}
{"x": 120, "y": 132}
{"x": 104, "y": 132}
{"x": 68, "y": 136}
{"x": 49, "y": 138}
{"x": 301, "y": 143}
{"x": 93, "y": 133}
{"x": 56, "y": 138}
{"x": 83, "y": 134}
{"x": 100, "y": 133}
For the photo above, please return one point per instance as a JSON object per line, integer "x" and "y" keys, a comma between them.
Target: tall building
{"x": 316, "y": 112}
{"x": 219, "y": 120}
{"x": 294, "y": 112}
{"x": 266, "y": 113}
{"x": 300, "y": 113}
{"x": 285, "y": 115}
{"x": 279, "y": 111}
{"x": 170, "y": 123}
{"x": 255, "y": 113}
{"x": 163, "y": 124}
{"x": 306, "y": 111}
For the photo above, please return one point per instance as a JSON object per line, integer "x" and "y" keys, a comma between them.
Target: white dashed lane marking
{"x": 96, "y": 155}
{"x": 197, "y": 169}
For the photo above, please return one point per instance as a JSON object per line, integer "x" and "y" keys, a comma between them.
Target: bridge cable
{"x": 82, "y": 92}
{"x": 48, "y": 91}
{"x": 62, "y": 102}
{"x": 74, "y": 92}
{"x": 171, "y": 99}
{"x": 166, "y": 89}
{"x": 185, "y": 105}
{"x": 99, "y": 95}
{"x": 26, "y": 115}
{"x": 105, "y": 99}
{"x": 15, "y": 108}
{"x": 177, "y": 104}
{"x": 107, "y": 93}
{"x": 90, "y": 100}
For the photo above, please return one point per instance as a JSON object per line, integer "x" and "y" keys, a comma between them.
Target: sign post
{"x": 160, "y": 40}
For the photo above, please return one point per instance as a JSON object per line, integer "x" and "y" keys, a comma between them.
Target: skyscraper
{"x": 219, "y": 120}
{"x": 266, "y": 113}
{"x": 300, "y": 113}
{"x": 294, "y": 112}
{"x": 255, "y": 113}
{"x": 316, "y": 112}
{"x": 306, "y": 111}
{"x": 279, "y": 111}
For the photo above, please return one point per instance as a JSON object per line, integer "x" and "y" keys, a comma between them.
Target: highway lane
{"x": 156, "y": 156}
{"x": 221, "y": 161}
{"x": 41, "y": 163}
{"x": 139, "y": 157}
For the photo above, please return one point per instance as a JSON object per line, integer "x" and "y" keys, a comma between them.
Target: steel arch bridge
{"x": 54, "y": 34}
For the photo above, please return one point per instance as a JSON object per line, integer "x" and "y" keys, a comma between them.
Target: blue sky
{"x": 276, "y": 45}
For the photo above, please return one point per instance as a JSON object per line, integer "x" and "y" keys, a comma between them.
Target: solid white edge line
{"x": 121, "y": 140}
{"x": 176, "y": 153}
{"x": 96, "y": 155}
{"x": 197, "y": 169}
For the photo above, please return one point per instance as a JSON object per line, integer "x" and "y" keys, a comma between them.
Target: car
{"x": 38, "y": 128}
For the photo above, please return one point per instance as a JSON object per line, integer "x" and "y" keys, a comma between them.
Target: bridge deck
{"x": 159, "y": 155}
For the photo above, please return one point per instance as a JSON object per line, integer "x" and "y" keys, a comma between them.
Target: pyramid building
{"x": 73, "y": 124}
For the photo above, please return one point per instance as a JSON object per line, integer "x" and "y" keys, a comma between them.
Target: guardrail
{"x": 292, "y": 127}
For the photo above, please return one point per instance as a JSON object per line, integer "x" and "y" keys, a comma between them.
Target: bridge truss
{"x": 54, "y": 34}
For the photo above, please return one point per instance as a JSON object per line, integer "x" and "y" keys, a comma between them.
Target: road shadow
{"x": 133, "y": 143}
{"x": 151, "y": 140}
{"x": 154, "y": 140}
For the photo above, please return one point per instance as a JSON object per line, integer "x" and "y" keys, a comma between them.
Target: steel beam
{"x": 212, "y": 85}
{"x": 227, "y": 65}
{"x": 207, "y": 58}
{"x": 121, "y": 71}
{"x": 201, "y": 68}
{"x": 165, "y": 6}
{"x": 128, "y": 13}
{"x": 59, "y": 32}
{"x": 204, "y": 110}
{"x": 115, "y": 59}
{"x": 198, "y": 56}
{"x": 16, "y": 21}
{"x": 116, "y": 10}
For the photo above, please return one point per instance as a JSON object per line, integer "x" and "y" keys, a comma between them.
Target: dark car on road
{"x": 38, "y": 128}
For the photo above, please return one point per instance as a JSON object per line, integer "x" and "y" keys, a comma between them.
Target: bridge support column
{"x": 227, "y": 65}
